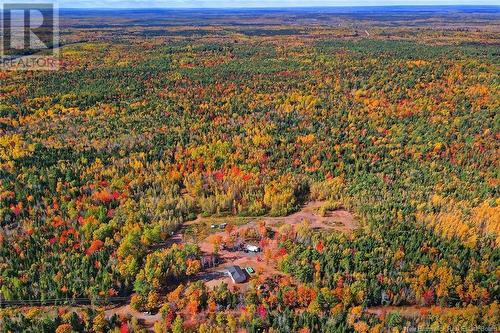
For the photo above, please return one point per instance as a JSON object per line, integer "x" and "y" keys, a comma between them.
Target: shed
{"x": 236, "y": 274}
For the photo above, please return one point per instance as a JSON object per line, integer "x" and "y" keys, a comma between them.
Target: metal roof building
{"x": 236, "y": 274}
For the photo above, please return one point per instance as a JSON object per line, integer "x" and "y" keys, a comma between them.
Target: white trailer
{"x": 252, "y": 248}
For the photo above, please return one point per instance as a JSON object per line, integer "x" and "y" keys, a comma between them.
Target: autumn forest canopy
{"x": 158, "y": 121}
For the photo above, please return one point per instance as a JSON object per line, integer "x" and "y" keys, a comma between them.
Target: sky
{"x": 256, "y": 3}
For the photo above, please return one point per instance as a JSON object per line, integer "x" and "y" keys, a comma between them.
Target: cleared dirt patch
{"x": 215, "y": 276}
{"x": 122, "y": 311}
{"x": 340, "y": 220}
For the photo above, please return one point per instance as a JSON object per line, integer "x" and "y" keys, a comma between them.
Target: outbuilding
{"x": 236, "y": 273}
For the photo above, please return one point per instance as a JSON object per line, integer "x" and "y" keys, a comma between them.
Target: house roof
{"x": 237, "y": 274}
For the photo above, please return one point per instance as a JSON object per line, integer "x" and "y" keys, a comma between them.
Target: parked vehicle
{"x": 252, "y": 248}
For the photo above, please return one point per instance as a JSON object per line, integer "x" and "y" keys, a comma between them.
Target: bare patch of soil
{"x": 340, "y": 220}
{"x": 123, "y": 311}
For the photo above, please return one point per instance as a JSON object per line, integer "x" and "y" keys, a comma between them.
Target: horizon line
{"x": 293, "y": 7}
